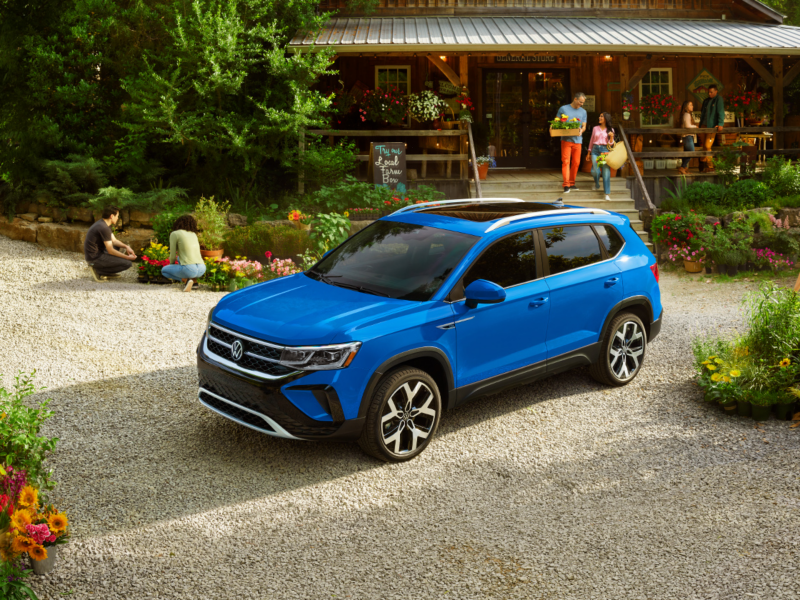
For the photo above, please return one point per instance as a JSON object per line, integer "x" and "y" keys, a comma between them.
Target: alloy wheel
{"x": 627, "y": 348}
{"x": 407, "y": 417}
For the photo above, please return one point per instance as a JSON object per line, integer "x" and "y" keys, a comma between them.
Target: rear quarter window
{"x": 610, "y": 238}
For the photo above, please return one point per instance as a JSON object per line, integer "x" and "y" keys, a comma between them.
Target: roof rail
{"x": 454, "y": 202}
{"x": 546, "y": 213}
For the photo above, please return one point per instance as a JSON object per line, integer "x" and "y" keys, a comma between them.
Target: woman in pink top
{"x": 602, "y": 137}
{"x": 689, "y": 140}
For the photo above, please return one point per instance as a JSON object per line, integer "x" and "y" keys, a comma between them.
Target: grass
{"x": 785, "y": 277}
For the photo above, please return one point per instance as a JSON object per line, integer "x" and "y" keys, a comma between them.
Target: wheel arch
{"x": 430, "y": 359}
{"x": 638, "y": 305}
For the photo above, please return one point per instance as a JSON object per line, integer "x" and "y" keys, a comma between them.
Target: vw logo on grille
{"x": 237, "y": 350}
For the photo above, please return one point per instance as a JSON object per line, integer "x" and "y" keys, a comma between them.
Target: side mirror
{"x": 481, "y": 291}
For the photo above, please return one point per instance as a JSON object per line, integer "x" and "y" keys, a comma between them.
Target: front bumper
{"x": 260, "y": 405}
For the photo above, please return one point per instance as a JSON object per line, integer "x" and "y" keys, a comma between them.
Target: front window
{"x": 387, "y": 77}
{"x": 656, "y": 81}
{"x": 397, "y": 260}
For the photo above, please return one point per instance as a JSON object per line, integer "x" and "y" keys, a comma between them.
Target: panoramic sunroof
{"x": 488, "y": 211}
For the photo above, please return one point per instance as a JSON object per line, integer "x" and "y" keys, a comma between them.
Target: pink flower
{"x": 51, "y": 539}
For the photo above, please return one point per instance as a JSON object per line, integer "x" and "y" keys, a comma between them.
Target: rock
{"x": 29, "y": 217}
{"x": 62, "y": 237}
{"x": 793, "y": 214}
{"x": 285, "y": 222}
{"x": 136, "y": 238}
{"x": 710, "y": 220}
{"x": 236, "y": 220}
{"x": 18, "y": 230}
{"x": 80, "y": 214}
{"x": 22, "y": 207}
{"x": 142, "y": 218}
{"x": 45, "y": 219}
{"x": 730, "y": 217}
{"x": 33, "y": 207}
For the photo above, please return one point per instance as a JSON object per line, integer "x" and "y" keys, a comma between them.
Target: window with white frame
{"x": 388, "y": 76}
{"x": 656, "y": 81}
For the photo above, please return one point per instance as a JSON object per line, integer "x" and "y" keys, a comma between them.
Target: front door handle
{"x": 536, "y": 303}
{"x": 612, "y": 281}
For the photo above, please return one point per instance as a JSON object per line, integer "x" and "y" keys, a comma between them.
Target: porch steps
{"x": 540, "y": 187}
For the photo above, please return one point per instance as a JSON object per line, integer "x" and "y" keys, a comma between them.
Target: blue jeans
{"x": 688, "y": 145}
{"x": 596, "y": 151}
{"x": 183, "y": 271}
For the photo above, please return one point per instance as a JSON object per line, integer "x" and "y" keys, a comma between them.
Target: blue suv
{"x": 429, "y": 307}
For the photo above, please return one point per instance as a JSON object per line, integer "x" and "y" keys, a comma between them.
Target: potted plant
{"x": 658, "y": 108}
{"x": 627, "y": 106}
{"x": 154, "y": 257}
{"x": 563, "y": 126}
{"x": 465, "y": 114}
{"x": 387, "y": 107}
{"x": 484, "y": 163}
{"x": 300, "y": 220}
{"x": 212, "y": 220}
{"x": 425, "y": 106}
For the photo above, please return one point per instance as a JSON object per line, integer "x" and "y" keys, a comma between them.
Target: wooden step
{"x": 541, "y": 186}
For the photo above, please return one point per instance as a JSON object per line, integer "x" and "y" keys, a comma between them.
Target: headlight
{"x": 320, "y": 358}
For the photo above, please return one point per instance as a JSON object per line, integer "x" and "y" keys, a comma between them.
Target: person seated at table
{"x": 183, "y": 244}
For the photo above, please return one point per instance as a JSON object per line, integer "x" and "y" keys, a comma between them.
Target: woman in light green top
{"x": 183, "y": 243}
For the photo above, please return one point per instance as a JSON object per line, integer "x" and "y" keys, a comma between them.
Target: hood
{"x": 297, "y": 310}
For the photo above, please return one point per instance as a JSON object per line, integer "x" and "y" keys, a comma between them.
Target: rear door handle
{"x": 538, "y": 302}
{"x": 612, "y": 281}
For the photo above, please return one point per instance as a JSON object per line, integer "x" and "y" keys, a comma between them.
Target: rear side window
{"x": 571, "y": 247}
{"x": 610, "y": 238}
{"x": 507, "y": 262}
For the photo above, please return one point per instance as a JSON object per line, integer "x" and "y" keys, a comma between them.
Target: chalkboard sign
{"x": 387, "y": 165}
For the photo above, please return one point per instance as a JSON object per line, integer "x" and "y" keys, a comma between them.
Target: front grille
{"x": 219, "y": 342}
{"x": 236, "y": 413}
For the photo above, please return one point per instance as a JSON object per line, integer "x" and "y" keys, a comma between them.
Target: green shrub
{"x": 747, "y": 193}
{"x": 73, "y": 181}
{"x": 781, "y": 241}
{"x": 288, "y": 242}
{"x": 781, "y": 176}
{"x": 21, "y": 444}
{"x": 155, "y": 199}
{"x": 773, "y": 315}
{"x": 163, "y": 221}
{"x": 251, "y": 241}
{"x": 348, "y": 193}
{"x": 697, "y": 195}
{"x": 321, "y": 163}
{"x": 787, "y": 202}
{"x": 212, "y": 219}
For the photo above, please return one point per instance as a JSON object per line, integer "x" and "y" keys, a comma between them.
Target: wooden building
{"x": 522, "y": 59}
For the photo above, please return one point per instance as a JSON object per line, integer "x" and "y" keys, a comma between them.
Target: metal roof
{"x": 548, "y": 34}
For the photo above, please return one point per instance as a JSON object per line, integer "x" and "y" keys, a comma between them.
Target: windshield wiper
{"x": 323, "y": 278}
{"x": 359, "y": 288}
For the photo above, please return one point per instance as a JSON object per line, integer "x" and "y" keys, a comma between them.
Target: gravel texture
{"x": 560, "y": 489}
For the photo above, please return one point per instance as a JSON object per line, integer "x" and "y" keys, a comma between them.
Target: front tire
{"x": 402, "y": 417}
{"x": 622, "y": 351}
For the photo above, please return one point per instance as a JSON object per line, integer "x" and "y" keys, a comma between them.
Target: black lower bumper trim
{"x": 655, "y": 327}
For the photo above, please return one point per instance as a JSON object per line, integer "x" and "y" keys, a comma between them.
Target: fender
{"x": 425, "y": 352}
{"x": 632, "y": 301}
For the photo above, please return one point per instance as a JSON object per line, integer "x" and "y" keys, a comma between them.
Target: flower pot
{"x": 722, "y": 269}
{"x": 709, "y": 270}
{"x": 451, "y": 125}
{"x": 211, "y": 253}
{"x": 692, "y": 267}
{"x": 626, "y": 114}
{"x": 483, "y": 171}
{"x": 733, "y": 270}
{"x": 760, "y": 412}
{"x": 302, "y": 226}
{"x": 784, "y": 411}
{"x": 232, "y": 285}
{"x": 729, "y": 407}
{"x": 42, "y": 567}
{"x": 743, "y": 408}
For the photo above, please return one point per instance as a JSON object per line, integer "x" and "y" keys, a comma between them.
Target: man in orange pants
{"x": 571, "y": 145}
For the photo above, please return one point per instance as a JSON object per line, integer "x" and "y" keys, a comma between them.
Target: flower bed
{"x": 760, "y": 371}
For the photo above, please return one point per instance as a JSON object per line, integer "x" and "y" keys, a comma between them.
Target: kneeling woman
{"x": 183, "y": 242}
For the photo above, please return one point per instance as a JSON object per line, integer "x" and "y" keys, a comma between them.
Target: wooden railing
{"x": 743, "y": 131}
{"x": 423, "y": 158}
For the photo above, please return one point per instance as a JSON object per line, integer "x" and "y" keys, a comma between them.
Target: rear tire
{"x": 402, "y": 417}
{"x": 622, "y": 351}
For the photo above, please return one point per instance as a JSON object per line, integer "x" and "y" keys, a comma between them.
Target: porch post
{"x": 777, "y": 90}
{"x": 463, "y": 68}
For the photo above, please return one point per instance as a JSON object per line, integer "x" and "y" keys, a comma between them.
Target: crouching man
{"x": 100, "y": 248}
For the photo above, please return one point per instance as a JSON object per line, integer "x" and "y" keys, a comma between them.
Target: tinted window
{"x": 611, "y": 239}
{"x": 571, "y": 247}
{"x": 507, "y": 262}
{"x": 399, "y": 260}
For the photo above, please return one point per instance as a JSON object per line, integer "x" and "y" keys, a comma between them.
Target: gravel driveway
{"x": 560, "y": 489}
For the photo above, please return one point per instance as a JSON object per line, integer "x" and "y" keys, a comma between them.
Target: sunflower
{"x": 38, "y": 552}
{"x": 784, "y": 363}
{"x": 20, "y": 519}
{"x": 22, "y": 543}
{"x": 735, "y": 373}
{"x": 719, "y": 361}
{"x": 712, "y": 367}
{"x": 28, "y": 497}
{"x": 57, "y": 523}
{"x": 716, "y": 377}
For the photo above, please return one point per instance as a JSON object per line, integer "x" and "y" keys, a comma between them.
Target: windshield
{"x": 397, "y": 260}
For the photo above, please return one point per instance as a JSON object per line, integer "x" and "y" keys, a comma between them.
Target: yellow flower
{"x": 712, "y": 367}
{"x": 57, "y": 523}
{"x": 705, "y": 362}
{"x": 346, "y": 214}
{"x": 22, "y": 543}
{"x": 735, "y": 373}
{"x": 716, "y": 377}
{"x": 719, "y": 361}
{"x": 784, "y": 363}
{"x": 20, "y": 519}
{"x": 712, "y": 357}
{"x": 2, "y": 470}
{"x": 38, "y": 552}
{"x": 28, "y": 497}
{"x": 726, "y": 379}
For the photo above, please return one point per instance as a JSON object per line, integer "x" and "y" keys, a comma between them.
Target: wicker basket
{"x": 692, "y": 267}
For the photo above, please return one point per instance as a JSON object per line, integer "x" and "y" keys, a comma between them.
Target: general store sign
{"x": 524, "y": 58}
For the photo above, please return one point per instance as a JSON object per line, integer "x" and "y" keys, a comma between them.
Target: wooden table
{"x": 761, "y": 144}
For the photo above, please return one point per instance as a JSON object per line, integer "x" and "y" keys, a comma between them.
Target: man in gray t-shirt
{"x": 571, "y": 145}
{"x": 99, "y": 247}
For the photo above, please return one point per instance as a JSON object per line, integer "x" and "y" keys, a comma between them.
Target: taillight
{"x": 654, "y": 269}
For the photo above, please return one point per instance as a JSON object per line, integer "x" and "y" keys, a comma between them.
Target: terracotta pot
{"x": 692, "y": 267}
{"x": 211, "y": 253}
{"x": 483, "y": 171}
